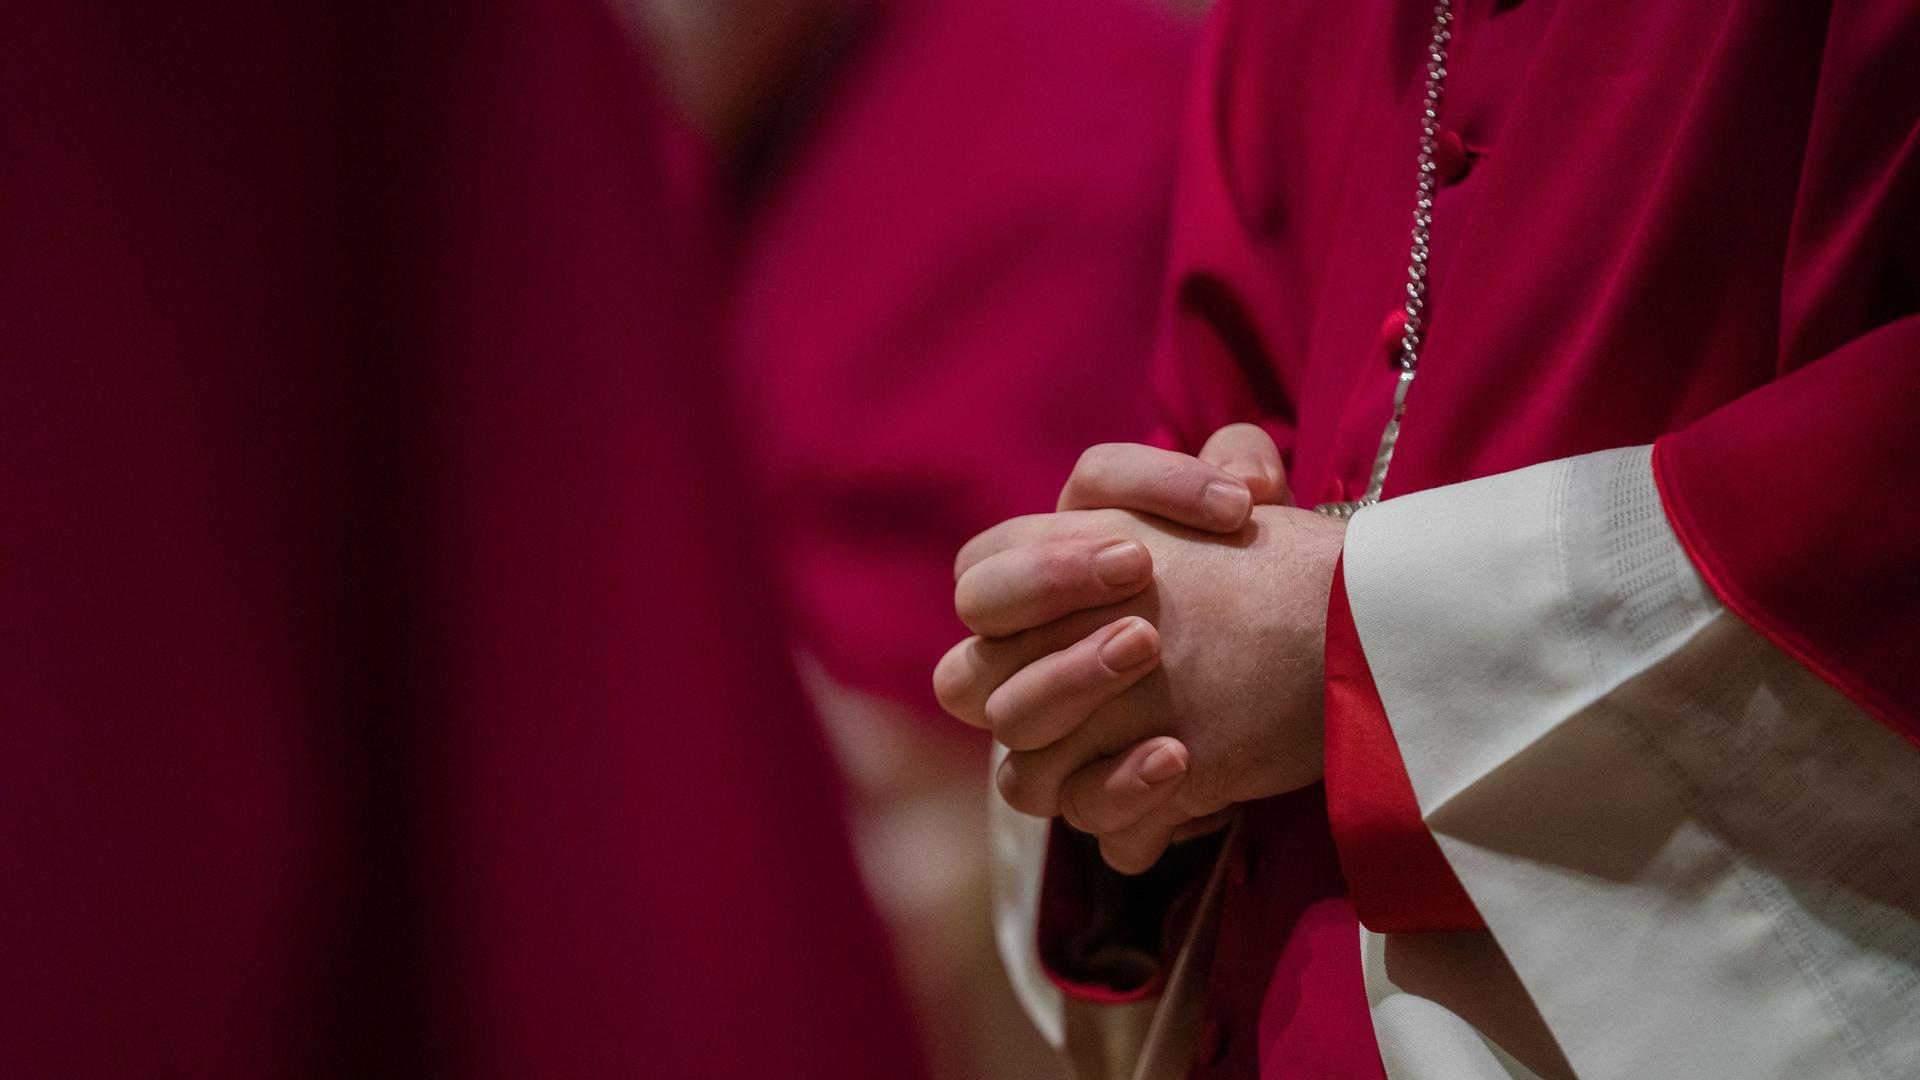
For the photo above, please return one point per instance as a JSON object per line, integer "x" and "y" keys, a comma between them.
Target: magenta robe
{"x": 390, "y": 684}
{"x": 1695, "y": 225}
{"x": 946, "y": 293}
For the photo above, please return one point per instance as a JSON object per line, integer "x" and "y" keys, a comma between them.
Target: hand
{"x": 1240, "y": 618}
{"x": 1240, "y": 624}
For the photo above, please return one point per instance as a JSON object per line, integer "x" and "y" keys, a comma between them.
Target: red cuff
{"x": 1401, "y": 882}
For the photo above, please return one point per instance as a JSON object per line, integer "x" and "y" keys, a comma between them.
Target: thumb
{"x": 1247, "y": 452}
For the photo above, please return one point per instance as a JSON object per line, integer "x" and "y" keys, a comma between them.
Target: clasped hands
{"x": 1150, "y": 653}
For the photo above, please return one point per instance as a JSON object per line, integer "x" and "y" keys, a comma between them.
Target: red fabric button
{"x": 1392, "y": 329}
{"x": 1452, "y": 157}
{"x": 1212, "y": 1047}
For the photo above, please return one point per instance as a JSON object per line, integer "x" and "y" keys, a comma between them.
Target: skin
{"x": 1151, "y": 653}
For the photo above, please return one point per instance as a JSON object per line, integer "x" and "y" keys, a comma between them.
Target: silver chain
{"x": 1411, "y": 333}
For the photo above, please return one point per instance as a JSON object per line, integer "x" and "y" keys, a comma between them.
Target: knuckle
{"x": 974, "y": 550}
{"x": 1193, "y": 801}
{"x": 966, "y": 598}
{"x": 1019, "y": 733}
{"x": 1095, "y": 456}
{"x": 951, "y": 682}
{"x": 1011, "y": 725}
{"x": 1020, "y": 791}
{"x": 1126, "y": 858}
{"x": 1188, "y": 479}
{"x": 1097, "y": 463}
{"x": 1058, "y": 569}
{"x": 997, "y": 538}
{"x": 1071, "y": 811}
{"x": 981, "y": 612}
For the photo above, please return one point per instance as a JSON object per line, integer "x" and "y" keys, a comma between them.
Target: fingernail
{"x": 1129, "y": 648}
{"x": 1246, "y": 470}
{"x": 1165, "y": 763}
{"x": 1251, "y": 472}
{"x": 1226, "y": 503}
{"x": 1123, "y": 562}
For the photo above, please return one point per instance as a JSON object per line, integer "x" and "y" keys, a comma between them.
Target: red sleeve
{"x": 1401, "y": 882}
{"x": 1221, "y": 340}
{"x": 1108, "y": 938}
{"x": 1799, "y": 506}
{"x": 1800, "y": 502}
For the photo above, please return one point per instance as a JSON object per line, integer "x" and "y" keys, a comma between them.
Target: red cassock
{"x": 1694, "y": 225}
{"x": 946, "y": 293}
{"x": 390, "y": 682}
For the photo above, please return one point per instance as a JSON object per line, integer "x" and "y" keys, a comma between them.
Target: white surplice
{"x": 1699, "y": 859}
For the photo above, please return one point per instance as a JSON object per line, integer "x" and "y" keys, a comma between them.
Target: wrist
{"x": 1309, "y": 546}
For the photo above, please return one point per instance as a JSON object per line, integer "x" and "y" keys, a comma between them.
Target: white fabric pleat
{"x": 1019, "y": 862}
{"x": 1700, "y": 859}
